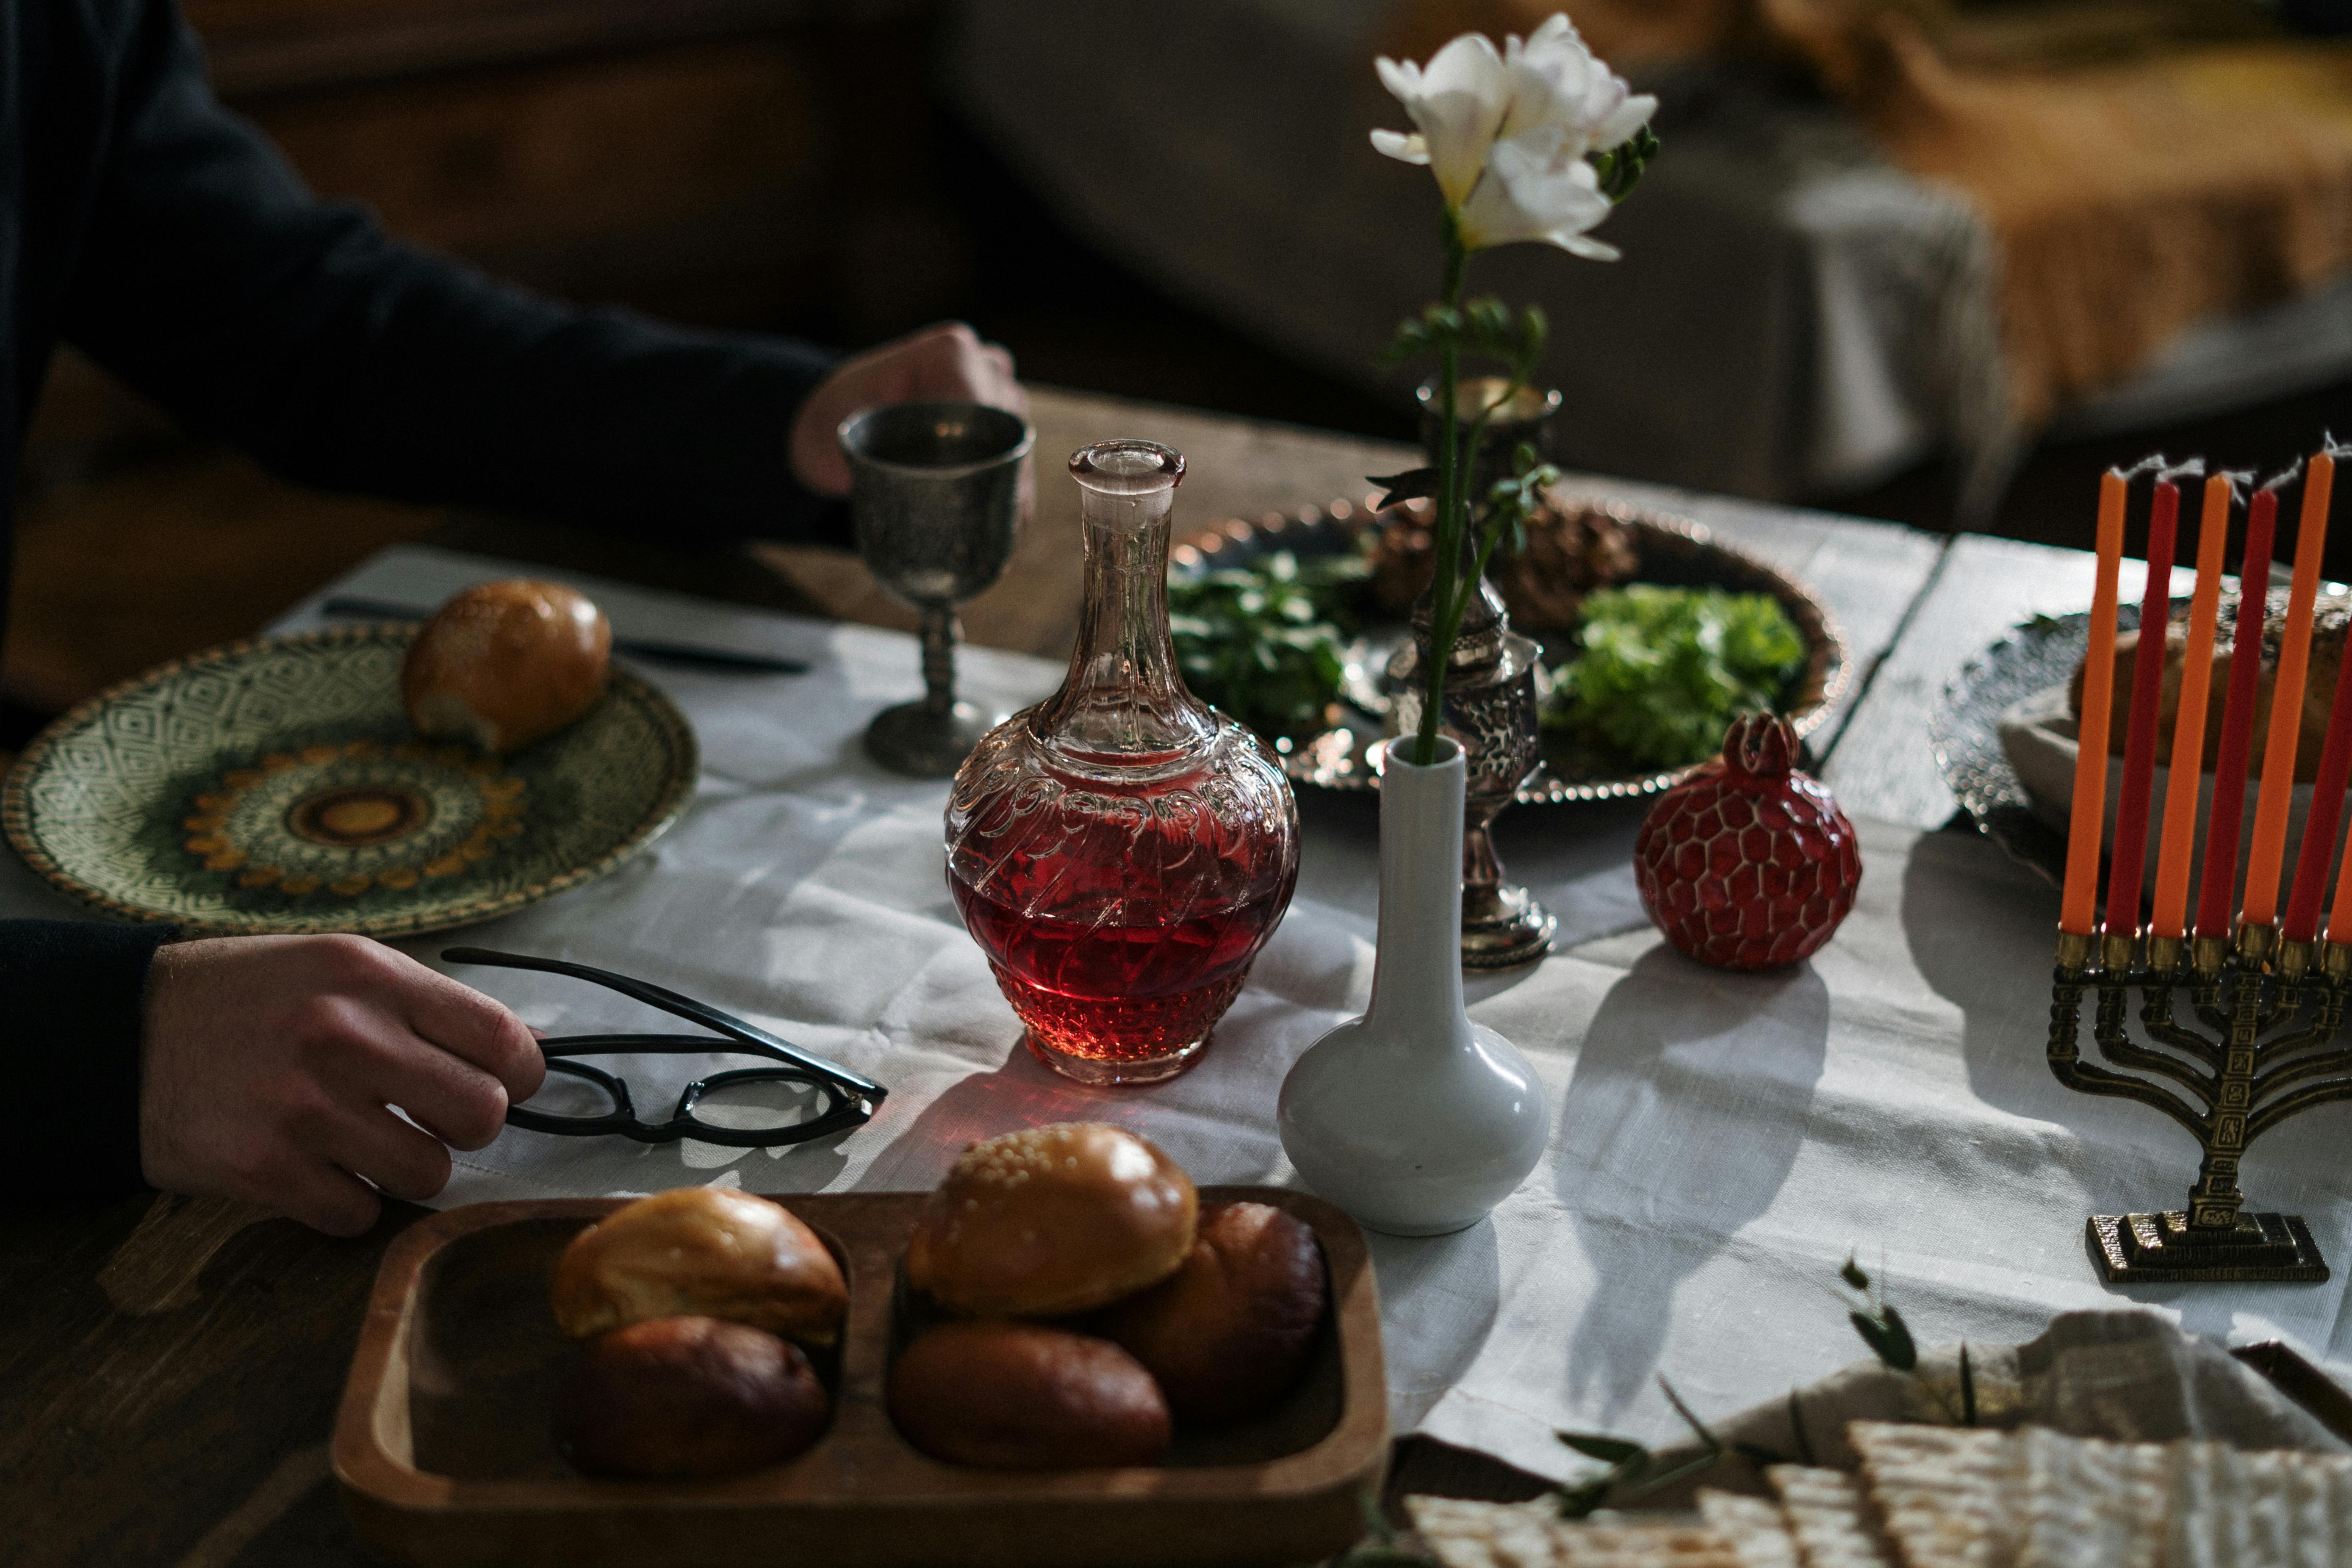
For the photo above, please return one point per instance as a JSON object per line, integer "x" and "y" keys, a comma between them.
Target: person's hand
{"x": 269, "y": 1065}
{"x": 947, "y": 362}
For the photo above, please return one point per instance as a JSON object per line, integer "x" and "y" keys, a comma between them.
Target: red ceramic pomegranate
{"x": 1748, "y": 864}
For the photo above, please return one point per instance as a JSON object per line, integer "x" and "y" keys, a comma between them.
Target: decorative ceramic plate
{"x": 1673, "y": 551}
{"x": 276, "y": 786}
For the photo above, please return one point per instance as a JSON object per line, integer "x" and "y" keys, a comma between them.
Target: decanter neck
{"x": 1123, "y": 701}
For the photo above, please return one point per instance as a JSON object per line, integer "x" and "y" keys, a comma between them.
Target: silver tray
{"x": 1673, "y": 551}
{"x": 1964, "y": 732}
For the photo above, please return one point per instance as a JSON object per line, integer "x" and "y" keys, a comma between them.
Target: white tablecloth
{"x": 1720, "y": 1142}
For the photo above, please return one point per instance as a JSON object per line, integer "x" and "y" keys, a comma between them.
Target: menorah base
{"x": 2163, "y": 1248}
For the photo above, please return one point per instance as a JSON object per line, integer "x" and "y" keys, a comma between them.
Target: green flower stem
{"x": 1445, "y": 612}
{"x": 1471, "y": 446}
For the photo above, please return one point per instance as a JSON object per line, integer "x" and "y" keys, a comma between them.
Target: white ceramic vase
{"x": 1413, "y": 1118}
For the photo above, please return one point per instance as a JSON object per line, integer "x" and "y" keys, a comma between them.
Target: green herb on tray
{"x": 1266, "y": 643}
{"x": 1666, "y": 670}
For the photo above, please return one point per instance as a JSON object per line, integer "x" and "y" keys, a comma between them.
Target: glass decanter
{"x": 1121, "y": 851}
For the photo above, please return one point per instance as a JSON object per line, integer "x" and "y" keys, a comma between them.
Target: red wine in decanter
{"x": 1120, "y": 852}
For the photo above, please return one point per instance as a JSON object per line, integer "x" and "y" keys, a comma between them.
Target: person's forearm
{"x": 72, "y": 993}
{"x": 208, "y": 278}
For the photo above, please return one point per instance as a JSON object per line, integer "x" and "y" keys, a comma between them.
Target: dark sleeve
{"x": 73, "y": 994}
{"x": 211, "y": 280}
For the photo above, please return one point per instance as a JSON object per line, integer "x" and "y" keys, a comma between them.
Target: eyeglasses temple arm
{"x": 670, "y": 1001}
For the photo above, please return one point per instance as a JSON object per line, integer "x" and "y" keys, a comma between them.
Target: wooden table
{"x": 169, "y": 1367}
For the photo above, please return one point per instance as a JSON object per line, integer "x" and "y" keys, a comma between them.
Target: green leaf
{"x": 1607, "y": 1450}
{"x": 1968, "y": 1388}
{"x": 1696, "y": 1426}
{"x": 1852, "y": 1275}
{"x": 1266, "y": 644}
{"x": 1664, "y": 672}
{"x": 1888, "y": 1337}
{"x": 1581, "y": 1500}
{"x": 1906, "y": 1354}
{"x": 1414, "y": 484}
{"x": 1797, "y": 1430}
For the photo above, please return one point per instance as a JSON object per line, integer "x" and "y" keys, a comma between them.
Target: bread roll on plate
{"x": 709, "y": 1251}
{"x": 1023, "y": 1396}
{"x": 504, "y": 664}
{"x": 1050, "y": 1220}
{"x": 1227, "y": 1334}
{"x": 688, "y": 1397}
{"x": 2331, "y": 620}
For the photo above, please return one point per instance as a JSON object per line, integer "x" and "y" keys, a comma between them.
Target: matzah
{"x": 1533, "y": 1535}
{"x": 1946, "y": 1496}
{"x": 1828, "y": 1517}
{"x": 1756, "y": 1528}
{"x": 2091, "y": 1504}
{"x": 1464, "y": 1534}
{"x": 2276, "y": 1509}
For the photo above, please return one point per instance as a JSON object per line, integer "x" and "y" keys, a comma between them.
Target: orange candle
{"x": 2078, "y": 906}
{"x": 2178, "y": 841}
{"x": 2269, "y": 852}
{"x": 2223, "y": 825}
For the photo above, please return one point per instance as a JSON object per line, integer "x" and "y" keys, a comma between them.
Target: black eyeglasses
{"x": 848, "y": 1099}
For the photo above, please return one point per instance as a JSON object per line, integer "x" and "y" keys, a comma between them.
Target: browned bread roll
{"x": 1227, "y": 1334}
{"x": 1021, "y": 1396}
{"x": 688, "y": 1397}
{"x": 1050, "y": 1220}
{"x": 710, "y": 1251}
{"x": 2330, "y": 625}
{"x": 504, "y": 664}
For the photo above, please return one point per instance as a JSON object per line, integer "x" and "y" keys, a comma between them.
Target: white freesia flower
{"x": 1538, "y": 187}
{"x": 1457, "y": 105}
{"x": 1506, "y": 135}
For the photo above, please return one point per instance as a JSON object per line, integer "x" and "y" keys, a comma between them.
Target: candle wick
{"x": 2182, "y": 470}
{"x": 2331, "y": 448}
{"x": 2285, "y": 476}
{"x": 2238, "y": 481}
{"x": 2151, "y": 464}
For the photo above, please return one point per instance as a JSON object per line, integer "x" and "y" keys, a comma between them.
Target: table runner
{"x": 1720, "y": 1142}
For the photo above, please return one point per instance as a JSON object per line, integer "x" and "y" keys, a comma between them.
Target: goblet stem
{"x": 1502, "y": 924}
{"x": 1482, "y": 873}
{"x": 938, "y": 658}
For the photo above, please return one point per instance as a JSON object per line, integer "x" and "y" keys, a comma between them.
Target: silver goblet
{"x": 936, "y": 499}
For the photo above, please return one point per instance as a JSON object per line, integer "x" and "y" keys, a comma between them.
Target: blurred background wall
{"x": 1166, "y": 202}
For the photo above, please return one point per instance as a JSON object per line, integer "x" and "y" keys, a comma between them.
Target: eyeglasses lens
{"x": 760, "y": 1105}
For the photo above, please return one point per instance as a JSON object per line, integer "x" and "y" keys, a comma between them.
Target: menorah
{"x": 2241, "y": 1031}
{"x": 2269, "y": 1011}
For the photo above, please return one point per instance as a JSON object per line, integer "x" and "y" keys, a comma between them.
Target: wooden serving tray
{"x": 443, "y": 1453}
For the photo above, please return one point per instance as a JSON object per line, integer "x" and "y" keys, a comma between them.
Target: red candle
{"x": 2130, "y": 855}
{"x": 2228, "y": 813}
{"x": 2178, "y": 842}
{"x": 2319, "y": 829}
{"x": 2334, "y": 757}
{"x": 2078, "y": 904}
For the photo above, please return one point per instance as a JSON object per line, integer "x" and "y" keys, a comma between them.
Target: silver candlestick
{"x": 1490, "y": 709}
{"x": 1490, "y": 692}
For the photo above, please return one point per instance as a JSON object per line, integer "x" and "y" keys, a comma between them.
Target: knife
{"x": 659, "y": 652}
